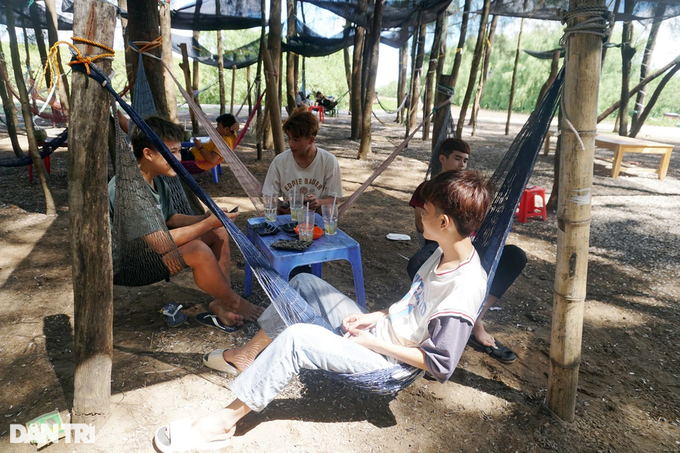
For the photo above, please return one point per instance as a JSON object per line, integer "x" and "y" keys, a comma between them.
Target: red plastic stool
{"x": 46, "y": 160}
{"x": 319, "y": 109}
{"x": 528, "y": 207}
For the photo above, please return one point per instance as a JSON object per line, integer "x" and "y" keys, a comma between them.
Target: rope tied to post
{"x": 598, "y": 21}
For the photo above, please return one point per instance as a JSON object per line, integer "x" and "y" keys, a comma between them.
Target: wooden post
{"x": 8, "y": 107}
{"x": 488, "y": 46}
{"x": 187, "y": 84}
{"x": 357, "y": 71}
{"x": 53, "y": 37}
{"x": 50, "y": 207}
{"x": 259, "y": 129}
{"x": 374, "y": 43}
{"x": 514, "y": 74}
{"x": 92, "y": 267}
{"x": 273, "y": 102}
{"x": 290, "y": 58}
{"x": 250, "y": 100}
{"x": 233, "y": 85}
{"x": 627, "y": 52}
{"x": 582, "y": 76}
{"x": 401, "y": 81}
{"x": 435, "y": 51}
{"x": 166, "y": 36}
{"x": 195, "y": 81}
{"x": 416, "y": 67}
{"x": 220, "y": 71}
{"x": 474, "y": 67}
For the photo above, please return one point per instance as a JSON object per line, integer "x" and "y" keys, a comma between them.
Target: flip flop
{"x": 215, "y": 360}
{"x": 175, "y": 317}
{"x": 180, "y": 435}
{"x": 501, "y": 352}
{"x": 211, "y": 320}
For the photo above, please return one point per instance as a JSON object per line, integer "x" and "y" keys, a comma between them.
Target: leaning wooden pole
{"x": 187, "y": 85}
{"x": 578, "y": 125}
{"x": 514, "y": 74}
{"x": 166, "y": 34}
{"x": 90, "y": 234}
{"x": 273, "y": 101}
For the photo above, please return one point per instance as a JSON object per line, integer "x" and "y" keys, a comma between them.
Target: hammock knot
{"x": 86, "y": 61}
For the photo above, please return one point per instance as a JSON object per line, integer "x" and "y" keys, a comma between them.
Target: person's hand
{"x": 312, "y": 202}
{"x": 360, "y": 321}
{"x": 362, "y": 337}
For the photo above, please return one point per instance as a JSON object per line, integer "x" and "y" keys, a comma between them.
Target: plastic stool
{"x": 216, "y": 170}
{"x": 527, "y": 205}
{"x": 319, "y": 109}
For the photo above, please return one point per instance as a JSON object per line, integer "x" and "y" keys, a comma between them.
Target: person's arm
{"x": 448, "y": 337}
{"x": 207, "y": 153}
{"x": 409, "y": 355}
{"x": 186, "y": 228}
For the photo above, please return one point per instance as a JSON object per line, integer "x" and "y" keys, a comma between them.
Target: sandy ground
{"x": 628, "y": 398}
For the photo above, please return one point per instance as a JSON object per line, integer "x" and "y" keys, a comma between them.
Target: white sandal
{"x": 215, "y": 360}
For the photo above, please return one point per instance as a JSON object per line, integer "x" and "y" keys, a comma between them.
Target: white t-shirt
{"x": 457, "y": 292}
{"x": 321, "y": 178}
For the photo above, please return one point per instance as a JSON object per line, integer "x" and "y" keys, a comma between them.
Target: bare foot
{"x": 241, "y": 357}
{"x": 225, "y": 316}
{"x": 211, "y": 429}
{"x": 482, "y": 336}
{"x": 248, "y": 311}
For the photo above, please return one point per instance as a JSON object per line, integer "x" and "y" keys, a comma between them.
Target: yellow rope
{"x": 53, "y": 57}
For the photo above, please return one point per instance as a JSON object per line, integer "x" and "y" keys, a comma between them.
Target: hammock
{"x": 46, "y": 151}
{"x": 392, "y": 112}
{"x": 511, "y": 176}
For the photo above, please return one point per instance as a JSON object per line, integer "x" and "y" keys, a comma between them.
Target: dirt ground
{"x": 628, "y": 393}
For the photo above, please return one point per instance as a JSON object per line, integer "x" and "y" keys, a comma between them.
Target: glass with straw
{"x": 330, "y": 217}
{"x": 296, "y": 206}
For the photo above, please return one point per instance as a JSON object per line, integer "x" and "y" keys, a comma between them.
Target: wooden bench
{"x": 621, "y": 145}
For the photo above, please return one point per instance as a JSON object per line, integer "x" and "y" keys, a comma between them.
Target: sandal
{"x": 501, "y": 352}
{"x": 175, "y": 317}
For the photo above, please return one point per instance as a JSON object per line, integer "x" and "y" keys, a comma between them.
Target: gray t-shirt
{"x": 161, "y": 195}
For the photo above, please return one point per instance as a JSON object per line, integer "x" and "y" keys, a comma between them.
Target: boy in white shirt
{"x": 427, "y": 329}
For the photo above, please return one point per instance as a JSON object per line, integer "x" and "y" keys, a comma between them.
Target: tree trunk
{"x": 130, "y": 56}
{"x": 514, "y": 74}
{"x": 249, "y": 97}
{"x": 638, "y": 87}
{"x": 637, "y": 126}
{"x": 220, "y": 71}
{"x": 40, "y": 41}
{"x": 582, "y": 67}
{"x": 290, "y": 60}
{"x": 50, "y": 208}
{"x": 52, "y": 36}
{"x": 90, "y": 236}
{"x": 617, "y": 3}
{"x": 417, "y": 56}
{"x": 435, "y": 53}
{"x": 143, "y": 23}
{"x": 374, "y": 42}
{"x": 273, "y": 102}
{"x": 196, "y": 80}
{"x": 348, "y": 68}
{"x": 451, "y": 80}
{"x": 627, "y": 52}
{"x": 554, "y": 68}
{"x": 166, "y": 35}
{"x": 233, "y": 86}
{"x": 659, "y": 11}
{"x": 357, "y": 72}
{"x": 485, "y": 72}
{"x": 259, "y": 125}
{"x": 474, "y": 68}
{"x": 8, "y": 107}
{"x": 187, "y": 84}
{"x": 401, "y": 82}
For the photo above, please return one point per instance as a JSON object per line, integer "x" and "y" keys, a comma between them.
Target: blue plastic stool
{"x": 326, "y": 248}
{"x": 216, "y": 170}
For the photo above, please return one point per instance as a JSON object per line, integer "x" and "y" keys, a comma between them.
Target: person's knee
{"x": 303, "y": 280}
{"x": 195, "y": 251}
{"x": 514, "y": 256}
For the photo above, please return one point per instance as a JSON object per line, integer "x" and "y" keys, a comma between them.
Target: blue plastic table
{"x": 326, "y": 248}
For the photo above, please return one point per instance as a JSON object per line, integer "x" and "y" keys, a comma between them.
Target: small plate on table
{"x": 318, "y": 232}
{"x": 264, "y": 229}
{"x": 289, "y": 227}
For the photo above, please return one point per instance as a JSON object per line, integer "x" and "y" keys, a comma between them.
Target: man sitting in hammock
{"x": 453, "y": 155}
{"x": 428, "y": 328}
{"x": 309, "y": 172}
{"x": 208, "y": 156}
{"x": 201, "y": 240}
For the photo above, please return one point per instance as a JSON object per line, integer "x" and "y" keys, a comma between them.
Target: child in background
{"x": 208, "y": 156}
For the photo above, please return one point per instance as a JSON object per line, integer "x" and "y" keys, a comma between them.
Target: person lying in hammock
{"x": 311, "y": 172}
{"x": 453, "y": 155}
{"x": 323, "y": 101}
{"x": 202, "y": 241}
{"x": 208, "y": 156}
{"x": 428, "y": 328}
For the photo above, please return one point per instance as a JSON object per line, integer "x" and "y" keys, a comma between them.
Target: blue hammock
{"x": 48, "y": 149}
{"x": 510, "y": 178}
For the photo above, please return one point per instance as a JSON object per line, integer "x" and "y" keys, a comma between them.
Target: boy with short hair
{"x": 312, "y": 172}
{"x": 427, "y": 329}
{"x": 201, "y": 240}
{"x": 454, "y": 154}
{"x": 208, "y": 156}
